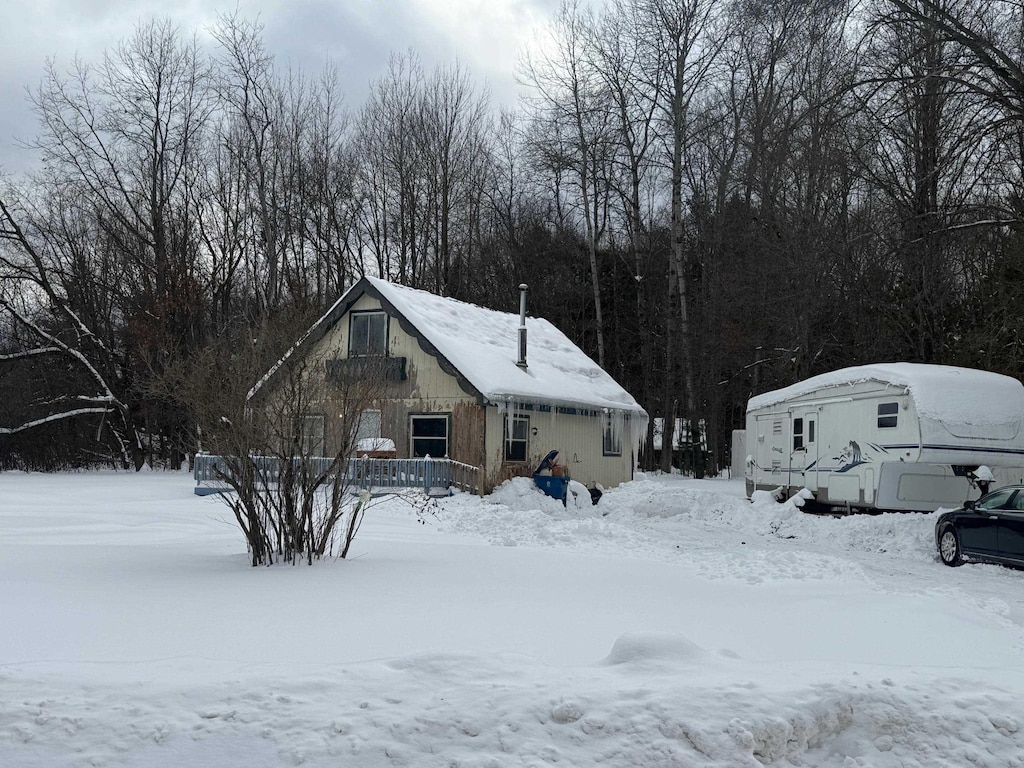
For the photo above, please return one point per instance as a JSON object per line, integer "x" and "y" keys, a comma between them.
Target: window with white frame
{"x": 428, "y": 435}
{"x": 367, "y": 334}
{"x": 612, "y": 434}
{"x": 517, "y": 437}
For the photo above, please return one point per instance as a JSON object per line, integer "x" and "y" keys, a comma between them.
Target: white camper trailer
{"x": 895, "y": 436}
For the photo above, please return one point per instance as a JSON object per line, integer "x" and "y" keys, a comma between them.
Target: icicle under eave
{"x": 637, "y": 422}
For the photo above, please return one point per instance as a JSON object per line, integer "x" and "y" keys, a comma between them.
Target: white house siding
{"x": 577, "y": 438}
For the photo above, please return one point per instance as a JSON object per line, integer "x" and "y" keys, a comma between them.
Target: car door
{"x": 979, "y": 528}
{"x": 1011, "y": 530}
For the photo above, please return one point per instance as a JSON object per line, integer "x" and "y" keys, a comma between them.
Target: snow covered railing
{"x": 426, "y": 473}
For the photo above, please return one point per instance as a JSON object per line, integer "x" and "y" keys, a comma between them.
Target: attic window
{"x": 367, "y": 334}
{"x": 887, "y": 415}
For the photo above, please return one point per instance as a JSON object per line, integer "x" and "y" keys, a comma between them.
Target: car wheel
{"x": 949, "y": 547}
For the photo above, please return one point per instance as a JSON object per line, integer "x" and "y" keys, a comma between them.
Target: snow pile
{"x": 675, "y": 623}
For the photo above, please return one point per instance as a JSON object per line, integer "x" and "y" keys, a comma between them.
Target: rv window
{"x": 810, "y": 430}
{"x": 887, "y": 414}
{"x": 798, "y": 434}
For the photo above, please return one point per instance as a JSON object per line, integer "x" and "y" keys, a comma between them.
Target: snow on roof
{"x": 483, "y": 346}
{"x": 941, "y": 393}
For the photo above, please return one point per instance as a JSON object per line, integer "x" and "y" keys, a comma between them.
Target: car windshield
{"x": 996, "y": 499}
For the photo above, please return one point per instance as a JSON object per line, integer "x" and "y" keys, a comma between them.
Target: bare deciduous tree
{"x": 286, "y": 426}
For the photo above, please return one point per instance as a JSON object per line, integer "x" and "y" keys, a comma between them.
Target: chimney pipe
{"x": 522, "y": 326}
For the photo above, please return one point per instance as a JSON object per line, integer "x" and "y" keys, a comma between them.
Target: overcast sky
{"x": 357, "y": 35}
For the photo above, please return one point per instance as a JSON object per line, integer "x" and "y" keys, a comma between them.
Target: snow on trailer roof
{"x": 483, "y": 345}
{"x": 942, "y": 393}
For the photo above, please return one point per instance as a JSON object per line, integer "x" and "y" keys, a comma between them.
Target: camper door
{"x": 771, "y": 452}
{"x": 803, "y": 457}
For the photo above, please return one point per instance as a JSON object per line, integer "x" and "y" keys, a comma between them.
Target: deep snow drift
{"x": 673, "y": 624}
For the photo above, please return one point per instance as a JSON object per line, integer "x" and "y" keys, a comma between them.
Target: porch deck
{"x": 432, "y": 475}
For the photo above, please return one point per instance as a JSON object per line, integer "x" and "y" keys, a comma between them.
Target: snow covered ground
{"x": 675, "y": 624}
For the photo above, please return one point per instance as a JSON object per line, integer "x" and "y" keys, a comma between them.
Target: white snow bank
{"x": 674, "y": 623}
{"x": 643, "y": 647}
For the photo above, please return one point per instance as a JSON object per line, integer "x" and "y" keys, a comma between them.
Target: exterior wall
{"x": 426, "y": 390}
{"x": 577, "y": 438}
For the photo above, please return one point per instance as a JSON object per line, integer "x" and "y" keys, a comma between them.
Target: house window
{"x": 428, "y": 435}
{"x": 516, "y": 438}
{"x": 369, "y": 425}
{"x": 309, "y": 434}
{"x": 612, "y": 435}
{"x": 367, "y": 334}
{"x": 887, "y": 415}
{"x": 798, "y": 434}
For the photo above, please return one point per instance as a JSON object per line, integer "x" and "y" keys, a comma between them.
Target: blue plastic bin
{"x": 555, "y": 486}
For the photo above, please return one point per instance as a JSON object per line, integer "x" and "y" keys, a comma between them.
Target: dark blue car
{"x": 990, "y": 529}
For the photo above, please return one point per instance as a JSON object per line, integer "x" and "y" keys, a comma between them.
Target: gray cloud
{"x": 357, "y": 36}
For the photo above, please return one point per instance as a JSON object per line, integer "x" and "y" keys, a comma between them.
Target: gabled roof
{"x": 479, "y": 347}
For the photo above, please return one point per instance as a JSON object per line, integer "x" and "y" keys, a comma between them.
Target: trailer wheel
{"x": 949, "y": 547}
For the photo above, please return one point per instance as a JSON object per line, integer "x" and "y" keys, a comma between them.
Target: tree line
{"x": 711, "y": 198}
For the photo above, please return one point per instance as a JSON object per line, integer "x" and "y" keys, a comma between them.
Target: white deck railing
{"x": 211, "y": 472}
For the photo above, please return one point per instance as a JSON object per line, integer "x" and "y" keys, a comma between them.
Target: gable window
{"x": 887, "y": 415}
{"x": 612, "y": 435}
{"x": 428, "y": 435}
{"x": 798, "y": 434}
{"x": 517, "y": 436}
{"x": 367, "y": 334}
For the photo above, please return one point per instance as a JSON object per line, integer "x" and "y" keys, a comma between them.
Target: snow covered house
{"x": 464, "y": 383}
{"x": 894, "y": 436}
